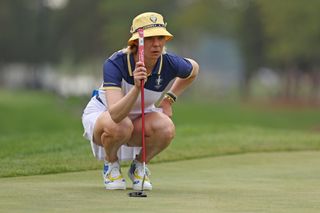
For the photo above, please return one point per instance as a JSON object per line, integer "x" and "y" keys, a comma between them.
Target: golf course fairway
{"x": 283, "y": 182}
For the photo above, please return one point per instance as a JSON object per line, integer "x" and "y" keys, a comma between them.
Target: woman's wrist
{"x": 168, "y": 100}
{"x": 136, "y": 88}
{"x": 171, "y": 97}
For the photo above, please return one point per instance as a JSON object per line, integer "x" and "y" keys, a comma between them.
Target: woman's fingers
{"x": 139, "y": 64}
{"x": 140, "y": 73}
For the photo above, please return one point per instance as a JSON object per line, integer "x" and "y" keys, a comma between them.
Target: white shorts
{"x": 90, "y": 115}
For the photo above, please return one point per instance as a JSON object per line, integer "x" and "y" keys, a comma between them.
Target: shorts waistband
{"x": 95, "y": 93}
{"x": 99, "y": 99}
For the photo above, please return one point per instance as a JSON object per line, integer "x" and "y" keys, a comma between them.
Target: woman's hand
{"x": 140, "y": 73}
{"x": 166, "y": 107}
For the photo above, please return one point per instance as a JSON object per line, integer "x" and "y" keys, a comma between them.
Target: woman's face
{"x": 153, "y": 47}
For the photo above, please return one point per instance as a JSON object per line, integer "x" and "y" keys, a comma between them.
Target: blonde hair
{"x": 130, "y": 49}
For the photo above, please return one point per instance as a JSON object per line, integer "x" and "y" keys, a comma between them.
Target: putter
{"x": 141, "y": 58}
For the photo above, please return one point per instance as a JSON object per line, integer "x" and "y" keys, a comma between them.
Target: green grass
{"x": 266, "y": 182}
{"x": 41, "y": 133}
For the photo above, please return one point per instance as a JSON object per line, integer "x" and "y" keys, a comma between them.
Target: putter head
{"x": 137, "y": 194}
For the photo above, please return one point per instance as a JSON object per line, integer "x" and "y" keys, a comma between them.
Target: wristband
{"x": 171, "y": 96}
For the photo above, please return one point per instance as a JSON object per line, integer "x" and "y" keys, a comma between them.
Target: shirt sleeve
{"x": 182, "y": 66}
{"x": 111, "y": 76}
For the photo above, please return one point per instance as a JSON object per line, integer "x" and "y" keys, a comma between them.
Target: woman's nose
{"x": 155, "y": 41}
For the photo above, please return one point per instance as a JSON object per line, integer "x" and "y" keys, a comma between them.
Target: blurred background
{"x": 257, "y": 91}
{"x": 260, "y": 50}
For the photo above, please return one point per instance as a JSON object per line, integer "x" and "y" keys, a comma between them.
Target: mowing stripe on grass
{"x": 287, "y": 182}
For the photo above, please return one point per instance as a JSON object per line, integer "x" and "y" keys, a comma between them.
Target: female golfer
{"x": 112, "y": 118}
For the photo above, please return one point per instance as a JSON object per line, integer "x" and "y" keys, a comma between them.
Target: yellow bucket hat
{"x": 153, "y": 25}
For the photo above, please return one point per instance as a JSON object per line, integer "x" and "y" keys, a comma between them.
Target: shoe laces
{"x": 113, "y": 172}
{"x": 141, "y": 172}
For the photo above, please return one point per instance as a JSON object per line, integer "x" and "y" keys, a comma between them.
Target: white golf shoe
{"x": 136, "y": 175}
{"x": 112, "y": 176}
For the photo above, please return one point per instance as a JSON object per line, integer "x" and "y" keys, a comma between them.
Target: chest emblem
{"x": 158, "y": 82}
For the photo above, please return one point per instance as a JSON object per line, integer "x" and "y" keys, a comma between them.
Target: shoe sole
{"x": 115, "y": 188}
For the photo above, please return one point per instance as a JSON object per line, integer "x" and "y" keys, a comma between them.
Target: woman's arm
{"x": 120, "y": 105}
{"x": 179, "y": 85}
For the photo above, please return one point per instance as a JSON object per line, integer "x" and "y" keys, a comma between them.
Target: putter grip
{"x": 141, "y": 45}
{"x": 141, "y": 56}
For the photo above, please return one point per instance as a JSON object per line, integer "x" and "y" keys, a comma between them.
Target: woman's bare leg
{"x": 112, "y": 135}
{"x": 159, "y": 132}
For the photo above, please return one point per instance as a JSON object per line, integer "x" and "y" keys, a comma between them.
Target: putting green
{"x": 260, "y": 182}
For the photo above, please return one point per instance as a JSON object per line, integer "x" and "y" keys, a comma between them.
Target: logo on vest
{"x": 158, "y": 82}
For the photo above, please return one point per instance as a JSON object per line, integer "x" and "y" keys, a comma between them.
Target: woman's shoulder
{"x": 117, "y": 59}
{"x": 118, "y": 55}
{"x": 173, "y": 58}
{"x": 170, "y": 55}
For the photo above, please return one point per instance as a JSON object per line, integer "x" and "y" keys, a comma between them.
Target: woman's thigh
{"x": 154, "y": 121}
{"x": 105, "y": 124}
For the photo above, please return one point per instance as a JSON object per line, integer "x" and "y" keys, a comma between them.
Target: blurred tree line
{"x": 282, "y": 35}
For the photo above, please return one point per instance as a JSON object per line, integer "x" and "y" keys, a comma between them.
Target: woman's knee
{"x": 169, "y": 130}
{"x": 121, "y": 130}
{"x": 165, "y": 128}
